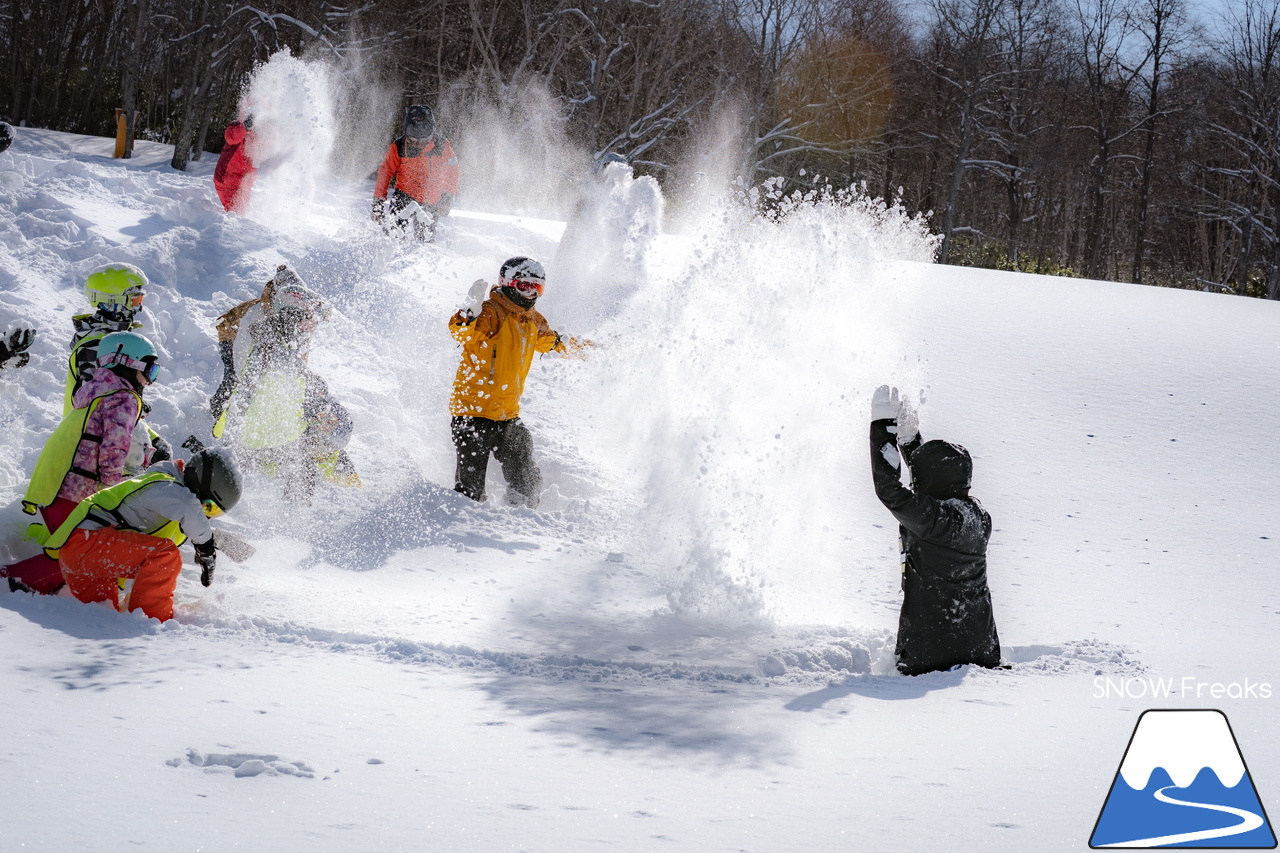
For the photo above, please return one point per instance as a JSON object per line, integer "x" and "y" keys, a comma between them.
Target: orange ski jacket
{"x": 424, "y": 175}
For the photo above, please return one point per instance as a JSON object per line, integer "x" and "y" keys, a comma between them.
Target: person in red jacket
{"x": 234, "y": 174}
{"x": 419, "y": 167}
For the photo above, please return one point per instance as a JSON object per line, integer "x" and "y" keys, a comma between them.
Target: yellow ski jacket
{"x": 497, "y": 352}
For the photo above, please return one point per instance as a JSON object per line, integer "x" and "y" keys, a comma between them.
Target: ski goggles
{"x": 526, "y": 286}
{"x": 151, "y": 370}
{"x": 122, "y": 302}
{"x": 211, "y": 508}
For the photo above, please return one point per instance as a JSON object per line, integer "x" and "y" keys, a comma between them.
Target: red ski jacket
{"x": 233, "y": 163}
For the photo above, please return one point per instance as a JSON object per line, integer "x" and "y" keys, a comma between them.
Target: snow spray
{"x": 739, "y": 376}
{"x": 517, "y": 156}
{"x": 291, "y": 101}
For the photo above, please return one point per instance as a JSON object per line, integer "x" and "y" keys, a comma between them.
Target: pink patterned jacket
{"x": 113, "y": 420}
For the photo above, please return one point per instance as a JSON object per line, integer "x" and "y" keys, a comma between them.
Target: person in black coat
{"x": 946, "y": 616}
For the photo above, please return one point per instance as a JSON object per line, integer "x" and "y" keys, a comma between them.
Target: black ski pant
{"x": 218, "y": 402}
{"x": 509, "y": 442}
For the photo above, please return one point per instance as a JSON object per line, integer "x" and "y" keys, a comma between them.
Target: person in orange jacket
{"x": 233, "y": 176}
{"x": 499, "y": 336}
{"x": 421, "y": 167}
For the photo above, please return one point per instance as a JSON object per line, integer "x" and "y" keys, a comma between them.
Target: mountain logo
{"x": 1183, "y": 783}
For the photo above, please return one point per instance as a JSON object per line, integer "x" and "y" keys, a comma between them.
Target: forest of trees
{"x": 1117, "y": 139}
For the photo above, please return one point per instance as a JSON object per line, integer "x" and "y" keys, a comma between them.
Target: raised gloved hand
{"x": 476, "y": 296}
{"x": 248, "y": 122}
{"x": 884, "y": 404}
{"x": 379, "y": 209}
{"x": 207, "y": 557}
{"x": 13, "y": 351}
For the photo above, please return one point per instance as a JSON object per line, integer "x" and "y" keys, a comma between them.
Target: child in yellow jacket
{"x": 499, "y": 338}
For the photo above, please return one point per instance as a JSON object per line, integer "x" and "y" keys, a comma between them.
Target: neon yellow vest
{"x": 106, "y": 502}
{"x": 58, "y": 457}
{"x": 274, "y": 416}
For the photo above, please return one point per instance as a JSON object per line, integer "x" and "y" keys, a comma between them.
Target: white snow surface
{"x": 688, "y": 646}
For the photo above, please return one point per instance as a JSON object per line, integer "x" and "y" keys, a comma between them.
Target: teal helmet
{"x": 128, "y": 349}
{"x": 116, "y": 288}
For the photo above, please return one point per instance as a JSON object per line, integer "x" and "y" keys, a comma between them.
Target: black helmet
{"x": 419, "y": 122}
{"x": 941, "y": 469}
{"x": 6, "y": 136}
{"x": 214, "y": 476}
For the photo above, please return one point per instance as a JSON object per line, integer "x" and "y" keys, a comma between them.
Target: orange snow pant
{"x": 98, "y": 565}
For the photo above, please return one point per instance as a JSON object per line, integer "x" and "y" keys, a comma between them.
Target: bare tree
{"x": 1163, "y": 24}
{"x": 1107, "y": 38}
{"x": 967, "y": 59}
{"x": 1249, "y": 128}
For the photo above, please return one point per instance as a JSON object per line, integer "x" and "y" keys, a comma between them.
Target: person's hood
{"x": 941, "y": 469}
{"x": 103, "y": 381}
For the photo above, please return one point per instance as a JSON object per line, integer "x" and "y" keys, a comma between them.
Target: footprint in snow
{"x": 243, "y": 764}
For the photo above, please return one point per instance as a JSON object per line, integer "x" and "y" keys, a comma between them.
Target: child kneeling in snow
{"x": 90, "y": 449}
{"x": 946, "y": 617}
{"x": 499, "y": 336}
{"x": 121, "y": 544}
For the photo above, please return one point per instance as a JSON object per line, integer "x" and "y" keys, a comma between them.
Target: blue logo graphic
{"x": 1183, "y": 783}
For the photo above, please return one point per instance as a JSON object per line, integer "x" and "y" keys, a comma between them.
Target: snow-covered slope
{"x": 688, "y": 646}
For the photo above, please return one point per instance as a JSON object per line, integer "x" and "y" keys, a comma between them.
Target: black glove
{"x": 379, "y": 208}
{"x": 13, "y": 352}
{"x": 207, "y": 557}
{"x": 248, "y": 125}
{"x": 161, "y": 450}
{"x": 193, "y": 444}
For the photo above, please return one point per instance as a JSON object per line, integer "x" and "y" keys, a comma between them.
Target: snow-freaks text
{"x": 1187, "y": 687}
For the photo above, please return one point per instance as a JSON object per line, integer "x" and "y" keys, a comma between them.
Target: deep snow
{"x": 688, "y": 646}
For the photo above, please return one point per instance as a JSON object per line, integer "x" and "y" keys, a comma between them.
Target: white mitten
{"x": 476, "y": 296}
{"x": 884, "y": 404}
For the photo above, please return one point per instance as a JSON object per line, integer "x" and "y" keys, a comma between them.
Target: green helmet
{"x": 116, "y": 287}
{"x": 126, "y": 348}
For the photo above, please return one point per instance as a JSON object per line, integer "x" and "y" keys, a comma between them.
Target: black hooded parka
{"x": 946, "y": 616}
